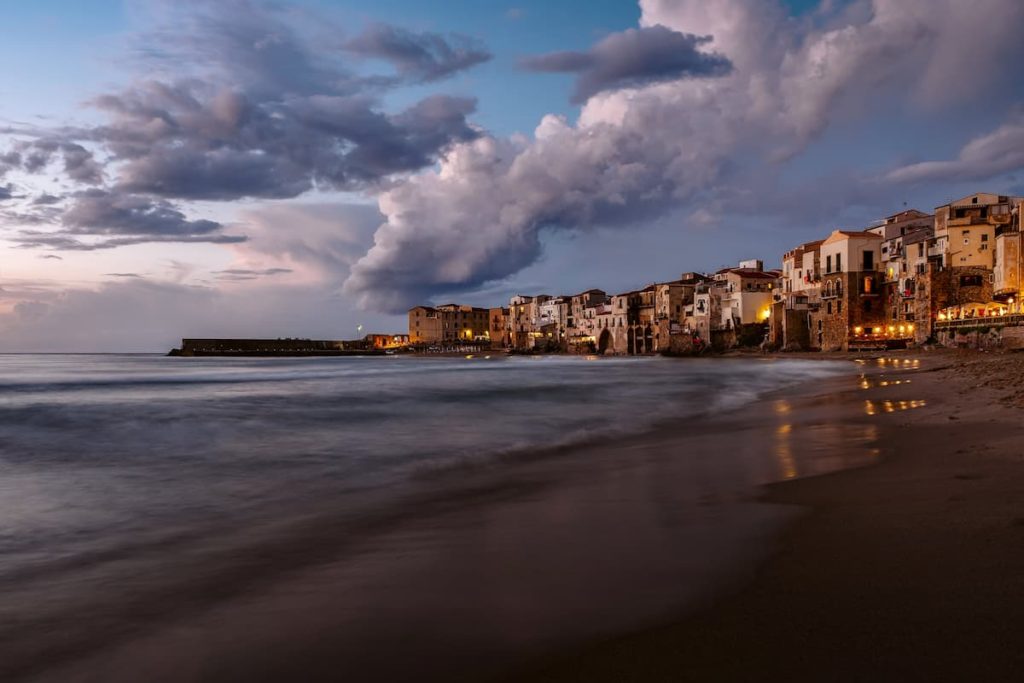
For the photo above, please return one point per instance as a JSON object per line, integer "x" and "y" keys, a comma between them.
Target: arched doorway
{"x": 648, "y": 340}
{"x": 630, "y": 341}
{"x": 604, "y": 341}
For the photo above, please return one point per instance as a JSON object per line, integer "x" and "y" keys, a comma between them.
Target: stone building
{"x": 852, "y": 303}
{"x": 500, "y": 328}
{"x": 1008, "y": 263}
{"x": 579, "y": 337}
{"x": 904, "y": 254}
{"x": 386, "y": 341}
{"x": 552, "y": 316}
{"x": 450, "y": 323}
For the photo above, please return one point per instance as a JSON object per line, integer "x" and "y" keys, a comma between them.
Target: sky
{"x": 312, "y": 168}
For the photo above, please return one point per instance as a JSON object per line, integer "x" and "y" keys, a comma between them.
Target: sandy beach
{"x": 909, "y": 570}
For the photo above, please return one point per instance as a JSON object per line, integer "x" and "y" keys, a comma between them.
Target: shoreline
{"x": 911, "y": 569}
{"x": 623, "y": 520}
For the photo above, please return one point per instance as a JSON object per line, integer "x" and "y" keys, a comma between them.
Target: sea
{"x": 113, "y": 464}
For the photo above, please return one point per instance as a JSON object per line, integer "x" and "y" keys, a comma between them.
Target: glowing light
{"x": 910, "y": 328}
{"x": 858, "y": 329}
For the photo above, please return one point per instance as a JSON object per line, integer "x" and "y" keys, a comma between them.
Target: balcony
{"x": 1013, "y": 319}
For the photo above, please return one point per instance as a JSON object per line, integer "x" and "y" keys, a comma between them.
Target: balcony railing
{"x": 981, "y": 321}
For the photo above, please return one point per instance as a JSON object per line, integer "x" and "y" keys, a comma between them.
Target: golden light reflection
{"x": 784, "y": 450}
{"x": 782, "y": 407}
{"x": 876, "y": 407}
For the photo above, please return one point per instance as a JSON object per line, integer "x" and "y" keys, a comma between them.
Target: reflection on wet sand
{"x": 814, "y": 446}
{"x": 877, "y": 407}
{"x": 870, "y": 382}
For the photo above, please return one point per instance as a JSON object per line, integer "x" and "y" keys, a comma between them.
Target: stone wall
{"x": 984, "y": 336}
{"x": 939, "y": 289}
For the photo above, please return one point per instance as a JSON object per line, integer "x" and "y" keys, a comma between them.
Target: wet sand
{"x": 912, "y": 570}
{"x": 517, "y": 563}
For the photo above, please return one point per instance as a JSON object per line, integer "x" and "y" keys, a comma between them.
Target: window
{"x": 828, "y": 263}
{"x": 829, "y": 308}
{"x": 839, "y": 307}
{"x": 867, "y": 307}
{"x": 920, "y": 248}
{"x": 869, "y": 260}
{"x": 971, "y": 280}
{"x": 984, "y": 238}
{"x": 839, "y": 263}
{"x": 984, "y": 247}
{"x": 839, "y": 287}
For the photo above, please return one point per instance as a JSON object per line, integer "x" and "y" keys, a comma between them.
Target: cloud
{"x": 30, "y": 239}
{"x": 100, "y": 212}
{"x": 6, "y": 192}
{"x": 46, "y": 199}
{"x": 987, "y": 156}
{"x": 35, "y": 156}
{"x": 50, "y": 256}
{"x": 680, "y": 144}
{"x": 128, "y": 275}
{"x": 419, "y": 56}
{"x": 238, "y": 102}
{"x": 632, "y": 58}
{"x": 245, "y": 274}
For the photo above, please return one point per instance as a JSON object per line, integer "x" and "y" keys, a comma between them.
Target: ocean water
{"x": 106, "y": 459}
{"x": 101, "y": 448}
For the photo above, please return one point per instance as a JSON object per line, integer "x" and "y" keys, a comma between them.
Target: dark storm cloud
{"x": 242, "y": 105}
{"x": 103, "y": 219}
{"x": 99, "y": 212}
{"x": 45, "y": 199}
{"x": 6, "y": 192}
{"x": 634, "y": 57}
{"x": 419, "y": 56}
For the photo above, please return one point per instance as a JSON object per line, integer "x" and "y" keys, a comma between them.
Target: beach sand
{"x": 911, "y": 570}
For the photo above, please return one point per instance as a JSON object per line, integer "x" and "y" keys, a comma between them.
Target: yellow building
{"x": 966, "y": 229}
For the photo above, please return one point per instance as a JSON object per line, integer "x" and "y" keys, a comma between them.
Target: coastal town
{"x": 951, "y": 277}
